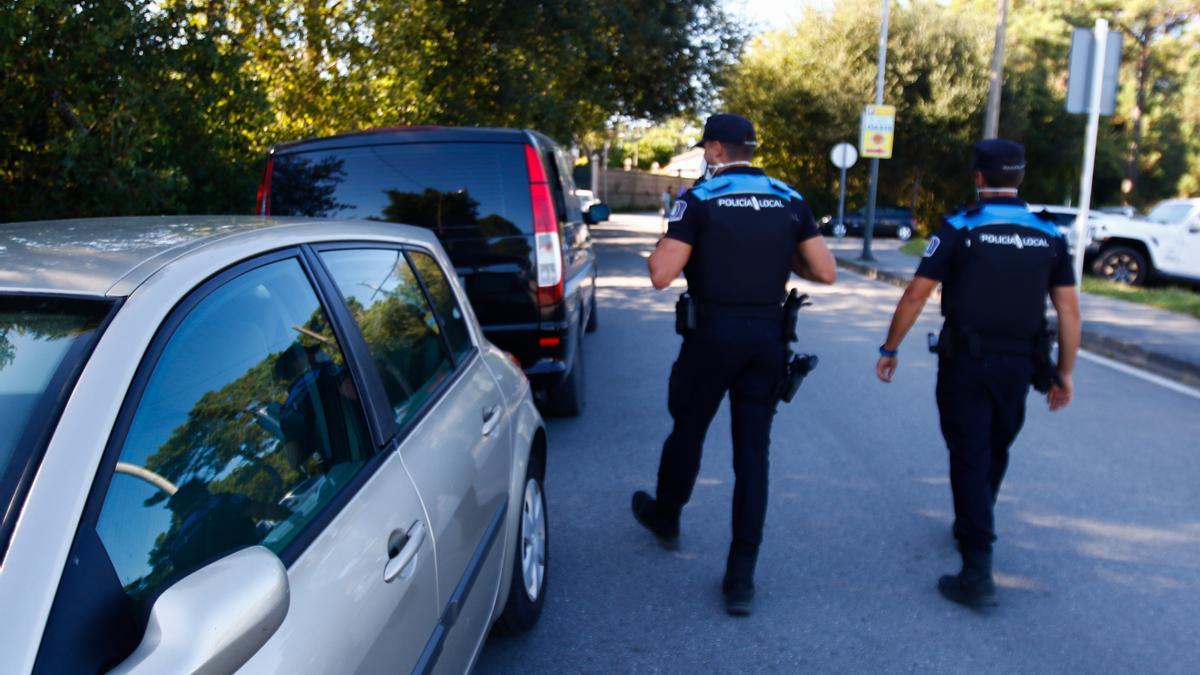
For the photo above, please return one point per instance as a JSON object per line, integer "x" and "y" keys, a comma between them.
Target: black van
{"x": 502, "y": 202}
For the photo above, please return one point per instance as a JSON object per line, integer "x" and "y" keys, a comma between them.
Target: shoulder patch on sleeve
{"x": 677, "y": 211}
{"x": 932, "y": 247}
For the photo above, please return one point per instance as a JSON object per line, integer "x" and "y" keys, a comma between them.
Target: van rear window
{"x": 455, "y": 189}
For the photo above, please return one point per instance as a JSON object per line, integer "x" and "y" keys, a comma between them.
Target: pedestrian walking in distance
{"x": 736, "y": 237}
{"x": 996, "y": 262}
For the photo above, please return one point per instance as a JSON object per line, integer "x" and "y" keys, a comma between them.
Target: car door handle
{"x": 491, "y": 419}
{"x": 402, "y": 559}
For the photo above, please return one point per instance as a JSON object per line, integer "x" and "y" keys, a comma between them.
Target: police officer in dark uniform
{"x": 996, "y": 263}
{"x": 737, "y": 237}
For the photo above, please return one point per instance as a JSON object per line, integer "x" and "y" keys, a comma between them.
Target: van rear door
{"x": 473, "y": 195}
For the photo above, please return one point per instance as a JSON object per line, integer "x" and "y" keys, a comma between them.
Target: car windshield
{"x": 1169, "y": 213}
{"x": 42, "y": 341}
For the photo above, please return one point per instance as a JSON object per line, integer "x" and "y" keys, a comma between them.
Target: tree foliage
{"x": 160, "y": 106}
{"x": 805, "y": 88}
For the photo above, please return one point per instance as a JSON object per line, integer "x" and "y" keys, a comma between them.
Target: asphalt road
{"x": 1098, "y": 562}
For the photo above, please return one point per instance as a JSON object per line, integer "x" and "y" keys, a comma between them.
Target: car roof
{"x": 410, "y": 134}
{"x": 112, "y": 256}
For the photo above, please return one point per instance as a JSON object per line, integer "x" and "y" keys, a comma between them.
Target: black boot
{"x": 738, "y": 585}
{"x": 662, "y": 523}
{"x": 973, "y": 586}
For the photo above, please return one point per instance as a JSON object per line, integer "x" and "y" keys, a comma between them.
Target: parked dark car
{"x": 890, "y": 221}
{"x": 501, "y": 201}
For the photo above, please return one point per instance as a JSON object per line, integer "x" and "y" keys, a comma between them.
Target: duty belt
{"x": 712, "y": 310}
{"x": 976, "y": 344}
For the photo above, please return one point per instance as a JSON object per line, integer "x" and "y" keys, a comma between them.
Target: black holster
{"x": 791, "y": 311}
{"x": 1045, "y": 372}
{"x": 798, "y": 367}
{"x": 685, "y": 314}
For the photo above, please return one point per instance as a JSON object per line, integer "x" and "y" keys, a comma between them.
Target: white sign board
{"x": 1079, "y": 82}
{"x": 844, "y": 155}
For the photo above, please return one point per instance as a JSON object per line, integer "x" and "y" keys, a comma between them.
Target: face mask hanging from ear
{"x": 1008, "y": 192}
{"x": 711, "y": 170}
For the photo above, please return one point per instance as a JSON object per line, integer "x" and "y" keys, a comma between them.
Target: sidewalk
{"x": 1164, "y": 343}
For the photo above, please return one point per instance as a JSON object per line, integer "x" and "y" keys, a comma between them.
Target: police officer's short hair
{"x": 738, "y": 152}
{"x": 999, "y": 178}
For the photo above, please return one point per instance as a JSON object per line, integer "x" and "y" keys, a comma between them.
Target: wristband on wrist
{"x": 884, "y": 351}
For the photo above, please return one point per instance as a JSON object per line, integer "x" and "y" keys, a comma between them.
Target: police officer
{"x": 736, "y": 237}
{"x": 996, "y": 263}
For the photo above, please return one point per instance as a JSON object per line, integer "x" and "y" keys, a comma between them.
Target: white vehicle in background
{"x": 1064, "y": 219}
{"x": 1165, "y": 243}
{"x": 586, "y": 199}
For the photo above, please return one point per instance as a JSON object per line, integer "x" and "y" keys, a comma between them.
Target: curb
{"x": 1163, "y": 365}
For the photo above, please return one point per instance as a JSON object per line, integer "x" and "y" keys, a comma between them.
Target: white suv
{"x": 1165, "y": 243}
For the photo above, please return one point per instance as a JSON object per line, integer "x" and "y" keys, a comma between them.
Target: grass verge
{"x": 1173, "y": 298}
{"x": 914, "y": 247}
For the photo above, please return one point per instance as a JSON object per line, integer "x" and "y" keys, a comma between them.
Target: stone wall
{"x": 638, "y": 190}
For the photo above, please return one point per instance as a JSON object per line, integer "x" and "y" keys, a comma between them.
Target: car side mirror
{"x": 216, "y": 618}
{"x": 596, "y": 213}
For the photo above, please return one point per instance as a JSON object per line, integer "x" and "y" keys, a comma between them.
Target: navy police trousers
{"x": 981, "y": 403}
{"x": 746, "y": 358}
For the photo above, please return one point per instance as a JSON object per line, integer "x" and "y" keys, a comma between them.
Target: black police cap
{"x": 999, "y": 154}
{"x": 730, "y": 129}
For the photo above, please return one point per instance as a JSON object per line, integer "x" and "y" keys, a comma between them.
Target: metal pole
{"x": 991, "y": 125}
{"x": 842, "y": 193}
{"x": 1099, "y": 52}
{"x": 867, "y": 235}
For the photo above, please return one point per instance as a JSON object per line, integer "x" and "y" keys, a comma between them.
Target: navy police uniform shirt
{"x": 997, "y": 262}
{"x": 743, "y": 227}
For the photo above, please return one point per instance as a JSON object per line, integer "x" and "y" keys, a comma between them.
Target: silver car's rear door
{"x": 450, "y": 417}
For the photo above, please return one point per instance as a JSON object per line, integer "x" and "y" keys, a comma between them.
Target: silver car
{"x": 256, "y": 445}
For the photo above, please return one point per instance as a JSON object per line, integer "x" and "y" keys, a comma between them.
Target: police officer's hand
{"x": 1060, "y": 395}
{"x": 885, "y": 367}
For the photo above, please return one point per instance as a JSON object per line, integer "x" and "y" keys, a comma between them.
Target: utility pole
{"x": 991, "y": 124}
{"x": 870, "y": 230}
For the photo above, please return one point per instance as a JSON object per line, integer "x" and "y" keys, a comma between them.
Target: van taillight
{"x": 263, "y": 206}
{"x": 547, "y": 244}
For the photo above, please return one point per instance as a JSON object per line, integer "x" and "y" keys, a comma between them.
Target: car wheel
{"x": 566, "y": 400}
{"x": 592, "y": 323}
{"x": 839, "y": 230}
{"x": 1123, "y": 265}
{"x": 527, "y": 590}
{"x": 904, "y": 233}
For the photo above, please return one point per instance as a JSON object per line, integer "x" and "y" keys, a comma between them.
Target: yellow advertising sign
{"x": 878, "y": 131}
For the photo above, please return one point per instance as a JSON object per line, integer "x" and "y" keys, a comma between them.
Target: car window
{"x": 452, "y": 188}
{"x": 564, "y": 171}
{"x": 1169, "y": 213}
{"x": 401, "y": 331}
{"x": 248, "y": 426}
{"x": 555, "y": 181}
{"x": 40, "y": 338}
{"x": 454, "y": 322}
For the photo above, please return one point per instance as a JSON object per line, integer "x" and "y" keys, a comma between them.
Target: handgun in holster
{"x": 798, "y": 367}
{"x": 1045, "y": 372}
{"x": 685, "y": 314}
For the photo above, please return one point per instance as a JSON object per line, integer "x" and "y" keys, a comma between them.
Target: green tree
{"x": 805, "y": 88}
{"x": 123, "y": 107}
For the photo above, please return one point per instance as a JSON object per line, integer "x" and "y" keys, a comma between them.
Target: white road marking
{"x": 1141, "y": 374}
